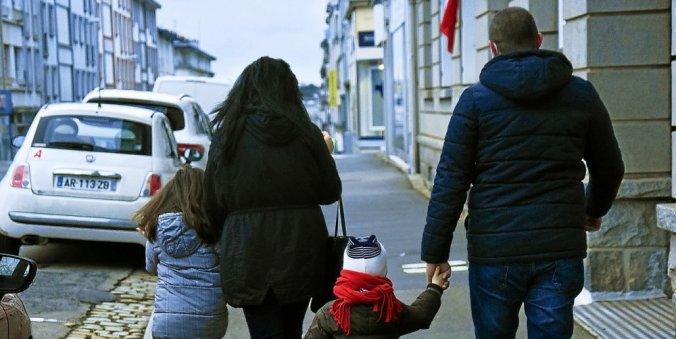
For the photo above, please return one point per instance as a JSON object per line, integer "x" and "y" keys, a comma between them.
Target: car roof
{"x": 192, "y": 79}
{"x": 109, "y": 110}
{"x": 135, "y": 96}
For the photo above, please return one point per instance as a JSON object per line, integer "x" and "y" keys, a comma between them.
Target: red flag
{"x": 447, "y": 26}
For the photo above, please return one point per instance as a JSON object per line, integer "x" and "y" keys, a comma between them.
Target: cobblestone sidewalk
{"x": 126, "y": 317}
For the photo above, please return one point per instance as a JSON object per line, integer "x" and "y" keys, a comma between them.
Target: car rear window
{"x": 94, "y": 133}
{"x": 175, "y": 115}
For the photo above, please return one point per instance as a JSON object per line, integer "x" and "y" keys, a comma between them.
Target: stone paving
{"x": 126, "y": 317}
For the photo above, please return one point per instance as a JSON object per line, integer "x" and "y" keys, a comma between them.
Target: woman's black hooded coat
{"x": 267, "y": 200}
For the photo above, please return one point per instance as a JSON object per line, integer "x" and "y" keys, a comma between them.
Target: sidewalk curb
{"x": 148, "y": 334}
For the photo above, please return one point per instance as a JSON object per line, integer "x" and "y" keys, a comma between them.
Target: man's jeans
{"x": 546, "y": 288}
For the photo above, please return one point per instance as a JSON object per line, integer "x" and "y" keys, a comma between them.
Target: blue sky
{"x": 238, "y": 32}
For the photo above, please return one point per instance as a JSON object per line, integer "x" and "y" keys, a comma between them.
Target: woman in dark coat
{"x": 268, "y": 171}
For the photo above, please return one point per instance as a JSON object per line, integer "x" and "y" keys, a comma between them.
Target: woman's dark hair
{"x": 267, "y": 85}
{"x": 183, "y": 193}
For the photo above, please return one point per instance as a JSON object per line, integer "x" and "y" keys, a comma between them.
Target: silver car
{"x": 187, "y": 120}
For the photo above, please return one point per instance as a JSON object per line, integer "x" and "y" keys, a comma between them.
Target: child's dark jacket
{"x": 364, "y": 322}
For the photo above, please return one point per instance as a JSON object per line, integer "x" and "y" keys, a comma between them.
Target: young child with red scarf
{"x": 366, "y": 304}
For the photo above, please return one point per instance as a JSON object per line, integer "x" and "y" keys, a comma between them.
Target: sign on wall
{"x": 333, "y": 88}
{"x": 367, "y": 39}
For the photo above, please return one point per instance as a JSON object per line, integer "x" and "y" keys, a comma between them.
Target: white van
{"x": 208, "y": 92}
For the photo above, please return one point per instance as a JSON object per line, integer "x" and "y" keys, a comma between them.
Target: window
{"x": 66, "y": 86}
{"x": 48, "y": 82}
{"x": 83, "y": 30}
{"x": 171, "y": 149}
{"x": 94, "y": 133}
{"x": 75, "y": 29}
{"x": 52, "y": 20}
{"x": 20, "y": 64}
{"x": 63, "y": 26}
{"x": 108, "y": 68}
{"x": 199, "y": 120}
{"x": 107, "y": 21}
{"x": 55, "y": 83}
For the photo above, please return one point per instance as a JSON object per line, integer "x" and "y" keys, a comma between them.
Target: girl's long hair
{"x": 183, "y": 193}
{"x": 267, "y": 85}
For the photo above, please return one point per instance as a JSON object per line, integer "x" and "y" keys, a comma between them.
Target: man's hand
{"x": 444, "y": 270}
{"x": 592, "y": 224}
{"x": 440, "y": 279}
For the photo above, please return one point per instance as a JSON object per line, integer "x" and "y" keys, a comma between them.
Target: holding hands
{"x": 439, "y": 274}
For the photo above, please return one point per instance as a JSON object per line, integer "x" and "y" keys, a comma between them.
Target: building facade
{"x": 60, "y": 50}
{"x": 48, "y": 55}
{"x": 355, "y": 62}
{"x": 622, "y": 47}
{"x": 182, "y": 56}
{"x": 145, "y": 39}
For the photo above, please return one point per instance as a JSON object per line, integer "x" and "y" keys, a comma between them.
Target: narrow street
{"x": 102, "y": 289}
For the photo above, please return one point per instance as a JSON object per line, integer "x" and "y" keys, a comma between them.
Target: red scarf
{"x": 354, "y": 288}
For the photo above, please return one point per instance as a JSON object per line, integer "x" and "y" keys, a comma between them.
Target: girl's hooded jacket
{"x": 189, "y": 301}
{"x": 267, "y": 200}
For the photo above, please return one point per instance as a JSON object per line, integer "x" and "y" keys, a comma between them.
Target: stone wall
{"x": 666, "y": 213}
{"x": 622, "y": 48}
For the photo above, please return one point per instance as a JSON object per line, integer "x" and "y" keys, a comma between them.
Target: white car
{"x": 209, "y": 92}
{"x": 188, "y": 121}
{"x": 81, "y": 171}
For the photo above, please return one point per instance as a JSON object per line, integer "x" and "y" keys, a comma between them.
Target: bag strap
{"x": 340, "y": 211}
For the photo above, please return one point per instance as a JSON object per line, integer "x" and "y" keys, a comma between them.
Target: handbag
{"x": 335, "y": 248}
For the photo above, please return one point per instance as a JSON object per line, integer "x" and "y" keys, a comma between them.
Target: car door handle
{"x": 86, "y": 173}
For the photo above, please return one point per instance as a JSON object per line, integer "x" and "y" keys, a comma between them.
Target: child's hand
{"x": 142, "y": 231}
{"x": 440, "y": 279}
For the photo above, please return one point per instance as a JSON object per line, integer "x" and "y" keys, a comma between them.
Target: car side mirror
{"x": 18, "y": 140}
{"x": 16, "y": 273}
{"x": 191, "y": 155}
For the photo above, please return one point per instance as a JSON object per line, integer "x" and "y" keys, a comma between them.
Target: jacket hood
{"x": 271, "y": 128}
{"x": 174, "y": 237}
{"x": 527, "y": 75}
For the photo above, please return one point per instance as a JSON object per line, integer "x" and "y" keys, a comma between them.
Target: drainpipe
{"x": 412, "y": 63}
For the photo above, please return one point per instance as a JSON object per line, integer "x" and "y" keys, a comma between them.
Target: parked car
{"x": 16, "y": 274}
{"x": 209, "y": 92}
{"x": 81, "y": 171}
{"x": 188, "y": 121}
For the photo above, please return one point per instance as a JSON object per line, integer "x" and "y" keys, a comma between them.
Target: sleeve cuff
{"x": 435, "y": 288}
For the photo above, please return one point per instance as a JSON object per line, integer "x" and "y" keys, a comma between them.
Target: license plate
{"x": 85, "y": 184}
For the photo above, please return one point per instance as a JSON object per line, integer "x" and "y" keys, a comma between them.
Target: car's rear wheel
{"x": 9, "y": 245}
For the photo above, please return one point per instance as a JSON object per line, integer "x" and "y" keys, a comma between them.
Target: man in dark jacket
{"x": 519, "y": 138}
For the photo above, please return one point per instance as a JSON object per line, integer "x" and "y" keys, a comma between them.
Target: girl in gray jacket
{"x": 181, "y": 250}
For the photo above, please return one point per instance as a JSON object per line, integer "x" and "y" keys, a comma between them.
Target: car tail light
{"x": 183, "y": 147}
{"x": 152, "y": 185}
{"x": 21, "y": 177}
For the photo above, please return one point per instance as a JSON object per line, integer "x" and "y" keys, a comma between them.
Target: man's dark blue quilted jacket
{"x": 519, "y": 138}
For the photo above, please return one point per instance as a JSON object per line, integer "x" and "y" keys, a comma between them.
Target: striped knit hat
{"x": 366, "y": 255}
